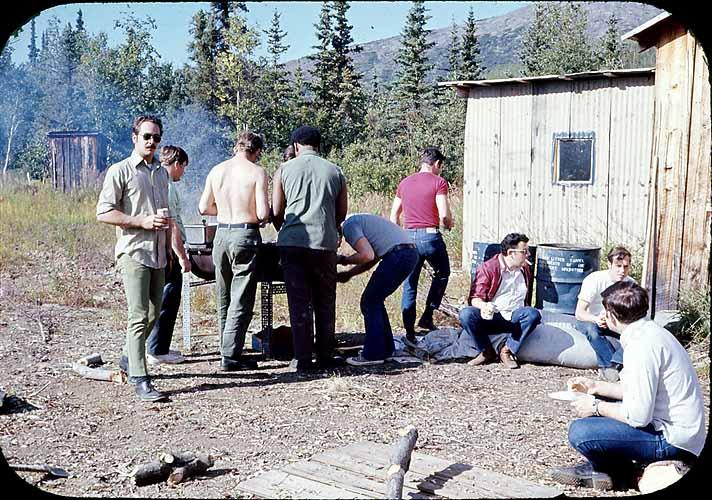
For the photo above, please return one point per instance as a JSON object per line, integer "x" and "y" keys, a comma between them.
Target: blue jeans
{"x": 523, "y": 322}
{"x": 431, "y": 248}
{"x": 612, "y": 446}
{"x": 606, "y": 354}
{"x": 394, "y": 267}
{"x": 159, "y": 341}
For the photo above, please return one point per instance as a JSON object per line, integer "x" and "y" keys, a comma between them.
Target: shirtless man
{"x": 236, "y": 192}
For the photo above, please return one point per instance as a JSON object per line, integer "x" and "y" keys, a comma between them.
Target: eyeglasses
{"x": 522, "y": 251}
{"x": 156, "y": 137}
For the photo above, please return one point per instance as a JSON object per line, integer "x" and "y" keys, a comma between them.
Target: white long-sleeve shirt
{"x": 660, "y": 386}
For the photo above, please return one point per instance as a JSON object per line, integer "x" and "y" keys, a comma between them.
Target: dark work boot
{"x": 331, "y": 362}
{"x": 426, "y": 320}
{"x": 146, "y": 392}
{"x": 410, "y": 339}
{"x": 233, "y": 365}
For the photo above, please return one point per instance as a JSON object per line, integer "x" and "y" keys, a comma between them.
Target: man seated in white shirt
{"x": 591, "y": 318}
{"x": 656, "y": 412}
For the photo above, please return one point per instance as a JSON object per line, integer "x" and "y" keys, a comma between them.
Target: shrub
{"x": 694, "y": 306}
{"x": 374, "y": 167}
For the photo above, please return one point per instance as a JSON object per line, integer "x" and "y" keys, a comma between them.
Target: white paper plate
{"x": 568, "y": 395}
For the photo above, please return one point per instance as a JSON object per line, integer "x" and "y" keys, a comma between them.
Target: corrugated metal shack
{"x": 77, "y": 159}
{"x": 560, "y": 158}
{"x": 680, "y": 215}
{"x": 594, "y": 158}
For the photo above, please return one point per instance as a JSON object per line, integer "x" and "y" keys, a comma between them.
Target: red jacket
{"x": 488, "y": 277}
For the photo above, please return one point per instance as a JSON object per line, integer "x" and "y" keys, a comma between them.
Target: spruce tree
{"x": 412, "y": 90}
{"x": 202, "y": 78}
{"x": 33, "y": 51}
{"x": 323, "y": 74}
{"x": 536, "y": 43}
{"x": 349, "y": 93}
{"x": 471, "y": 66}
{"x": 275, "y": 89}
{"x": 609, "y": 55}
{"x": 454, "y": 53}
{"x": 572, "y": 51}
{"x": 556, "y": 42}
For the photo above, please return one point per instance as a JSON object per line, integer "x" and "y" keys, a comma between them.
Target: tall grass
{"x": 35, "y": 218}
{"x": 56, "y": 235}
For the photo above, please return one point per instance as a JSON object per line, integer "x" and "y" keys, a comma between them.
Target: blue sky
{"x": 371, "y": 21}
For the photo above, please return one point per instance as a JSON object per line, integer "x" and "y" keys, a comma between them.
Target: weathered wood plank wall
{"x": 679, "y": 249}
{"x": 76, "y": 160}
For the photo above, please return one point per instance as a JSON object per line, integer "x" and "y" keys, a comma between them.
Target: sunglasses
{"x": 156, "y": 137}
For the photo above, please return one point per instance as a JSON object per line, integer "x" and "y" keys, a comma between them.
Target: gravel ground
{"x": 498, "y": 419}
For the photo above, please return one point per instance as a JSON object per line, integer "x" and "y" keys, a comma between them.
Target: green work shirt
{"x": 136, "y": 188}
{"x": 311, "y": 186}
{"x": 174, "y": 205}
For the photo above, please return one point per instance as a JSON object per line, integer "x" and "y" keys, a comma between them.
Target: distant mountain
{"x": 500, "y": 39}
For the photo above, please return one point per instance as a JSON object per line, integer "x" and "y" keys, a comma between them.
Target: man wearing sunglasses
{"x": 134, "y": 190}
{"x": 500, "y": 300}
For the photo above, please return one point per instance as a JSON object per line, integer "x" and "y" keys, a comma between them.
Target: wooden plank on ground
{"x": 364, "y": 484}
{"x": 423, "y": 483}
{"x": 462, "y": 480}
{"x": 280, "y": 484}
{"x": 364, "y": 467}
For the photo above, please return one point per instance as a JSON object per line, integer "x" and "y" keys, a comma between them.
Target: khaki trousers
{"x": 143, "y": 286}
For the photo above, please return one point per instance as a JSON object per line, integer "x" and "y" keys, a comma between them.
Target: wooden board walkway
{"x": 359, "y": 470}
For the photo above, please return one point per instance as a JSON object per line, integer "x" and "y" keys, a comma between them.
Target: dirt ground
{"x": 491, "y": 417}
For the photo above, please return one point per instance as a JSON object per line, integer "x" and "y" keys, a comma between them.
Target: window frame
{"x": 555, "y": 157}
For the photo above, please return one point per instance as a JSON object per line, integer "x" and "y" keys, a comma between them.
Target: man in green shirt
{"x": 134, "y": 190}
{"x": 309, "y": 201}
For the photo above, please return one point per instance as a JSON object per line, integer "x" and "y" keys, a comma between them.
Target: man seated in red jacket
{"x": 500, "y": 300}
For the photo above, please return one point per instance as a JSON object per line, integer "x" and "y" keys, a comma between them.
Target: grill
{"x": 199, "y": 247}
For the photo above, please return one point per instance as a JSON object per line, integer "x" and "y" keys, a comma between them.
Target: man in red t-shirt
{"x": 422, "y": 199}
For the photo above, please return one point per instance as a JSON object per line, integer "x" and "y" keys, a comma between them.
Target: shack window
{"x": 573, "y": 159}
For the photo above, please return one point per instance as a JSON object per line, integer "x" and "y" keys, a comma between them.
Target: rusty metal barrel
{"x": 559, "y": 271}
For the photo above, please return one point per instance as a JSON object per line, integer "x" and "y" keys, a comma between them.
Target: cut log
{"x": 152, "y": 473}
{"x": 400, "y": 462}
{"x": 99, "y": 374}
{"x": 195, "y": 467}
{"x": 91, "y": 361}
{"x": 177, "y": 458}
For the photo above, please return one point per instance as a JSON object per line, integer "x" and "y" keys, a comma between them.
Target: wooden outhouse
{"x": 598, "y": 158}
{"x": 679, "y": 219}
{"x": 77, "y": 159}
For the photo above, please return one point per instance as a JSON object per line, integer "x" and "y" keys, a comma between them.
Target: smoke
{"x": 203, "y": 136}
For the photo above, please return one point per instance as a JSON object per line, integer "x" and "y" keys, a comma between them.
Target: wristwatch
{"x": 594, "y": 406}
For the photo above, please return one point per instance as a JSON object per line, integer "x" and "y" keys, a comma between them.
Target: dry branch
{"x": 99, "y": 374}
{"x": 400, "y": 462}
